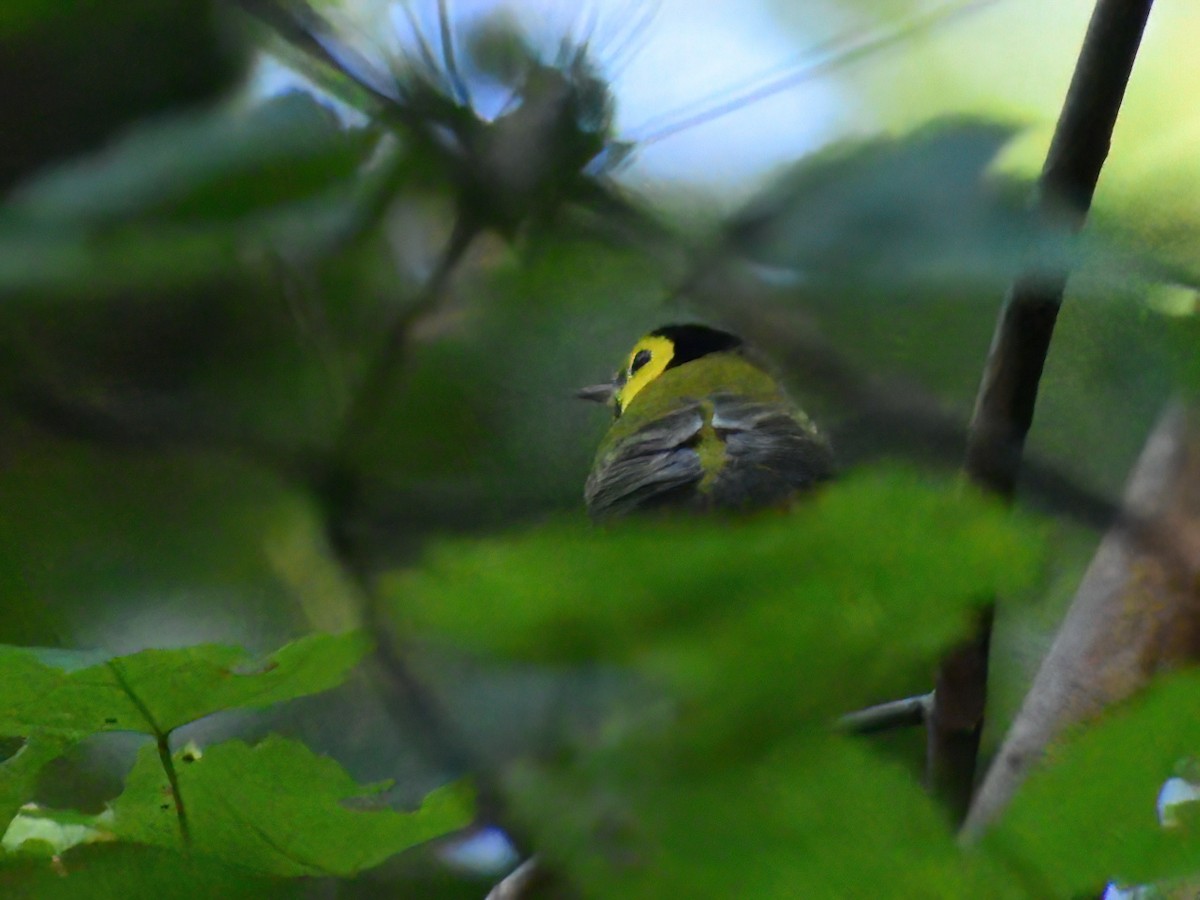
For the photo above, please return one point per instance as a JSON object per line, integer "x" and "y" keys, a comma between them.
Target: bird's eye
{"x": 639, "y": 359}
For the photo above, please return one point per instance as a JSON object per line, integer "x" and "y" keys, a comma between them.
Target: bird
{"x": 700, "y": 424}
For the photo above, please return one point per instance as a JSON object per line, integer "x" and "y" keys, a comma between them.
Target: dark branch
{"x": 1008, "y": 392}
{"x": 1005, "y": 404}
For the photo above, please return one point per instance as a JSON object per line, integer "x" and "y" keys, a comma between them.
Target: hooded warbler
{"x": 700, "y": 424}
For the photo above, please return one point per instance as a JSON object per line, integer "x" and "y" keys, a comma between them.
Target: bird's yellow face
{"x": 665, "y": 348}
{"x": 648, "y": 359}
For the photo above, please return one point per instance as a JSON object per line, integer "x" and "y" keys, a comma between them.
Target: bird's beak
{"x": 598, "y": 393}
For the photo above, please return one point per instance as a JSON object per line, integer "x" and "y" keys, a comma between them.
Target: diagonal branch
{"x": 447, "y": 37}
{"x": 1135, "y": 613}
{"x": 1008, "y": 392}
{"x": 368, "y": 399}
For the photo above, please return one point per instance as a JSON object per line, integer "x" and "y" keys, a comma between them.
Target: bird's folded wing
{"x": 771, "y": 452}
{"x": 655, "y": 465}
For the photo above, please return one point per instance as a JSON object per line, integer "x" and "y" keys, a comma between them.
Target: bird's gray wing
{"x": 655, "y": 465}
{"x": 772, "y": 451}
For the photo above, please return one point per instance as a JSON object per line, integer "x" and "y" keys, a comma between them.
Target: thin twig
{"x": 457, "y": 84}
{"x": 423, "y": 49}
{"x": 845, "y": 50}
{"x": 367, "y": 400}
{"x": 1008, "y": 392}
{"x": 403, "y": 686}
{"x": 305, "y": 29}
{"x": 906, "y": 713}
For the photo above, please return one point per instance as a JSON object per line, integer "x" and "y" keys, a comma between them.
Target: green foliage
{"x": 817, "y": 816}
{"x": 921, "y": 202}
{"x": 18, "y": 773}
{"x": 757, "y": 634}
{"x": 76, "y": 95}
{"x": 191, "y": 296}
{"x": 169, "y": 202}
{"x": 1088, "y": 816}
{"x": 217, "y": 165}
{"x": 119, "y": 871}
{"x": 567, "y": 593}
{"x": 277, "y": 808}
{"x": 70, "y": 694}
{"x": 46, "y": 832}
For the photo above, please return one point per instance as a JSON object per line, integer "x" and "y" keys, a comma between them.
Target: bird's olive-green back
{"x": 727, "y": 372}
{"x": 714, "y": 433}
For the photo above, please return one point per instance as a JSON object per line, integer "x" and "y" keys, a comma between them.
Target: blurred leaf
{"x": 86, "y": 68}
{"x": 278, "y": 808}
{"x": 156, "y": 691}
{"x": 485, "y": 428}
{"x": 20, "y": 14}
{"x": 762, "y": 630}
{"x": 1088, "y": 815}
{"x": 128, "y": 550}
{"x": 568, "y": 591}
{"x": 720, "y": 610}
{"x": 72, "y": 263}
{"x": 215, "y": 165}
{"x": 898, "y": 214}
{"x": 819, "y": 817}
{"x": 1182, "y": 333}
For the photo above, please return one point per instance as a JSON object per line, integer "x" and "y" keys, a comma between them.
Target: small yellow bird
{"x": 700, "y": 425}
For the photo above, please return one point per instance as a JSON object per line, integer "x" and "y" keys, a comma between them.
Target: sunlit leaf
{"x": 48, "y": 832}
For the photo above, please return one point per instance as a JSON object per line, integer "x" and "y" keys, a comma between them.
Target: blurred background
{"x": 279, "y": 309}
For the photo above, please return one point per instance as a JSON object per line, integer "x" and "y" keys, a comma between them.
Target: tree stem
{"x": 1008, "y": 392}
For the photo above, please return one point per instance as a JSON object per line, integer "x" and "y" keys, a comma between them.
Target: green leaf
{"x": 760, "y": 630}
{"x": 277, "y": 808}
{"x": 804, "y": 615}
{"x": 818, "y": 817}
{"x": 155, "y": 691}
{"x": 1088, "y": 815}
{"x": 905, "y": 210}
{"x": 74, "y": 263}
